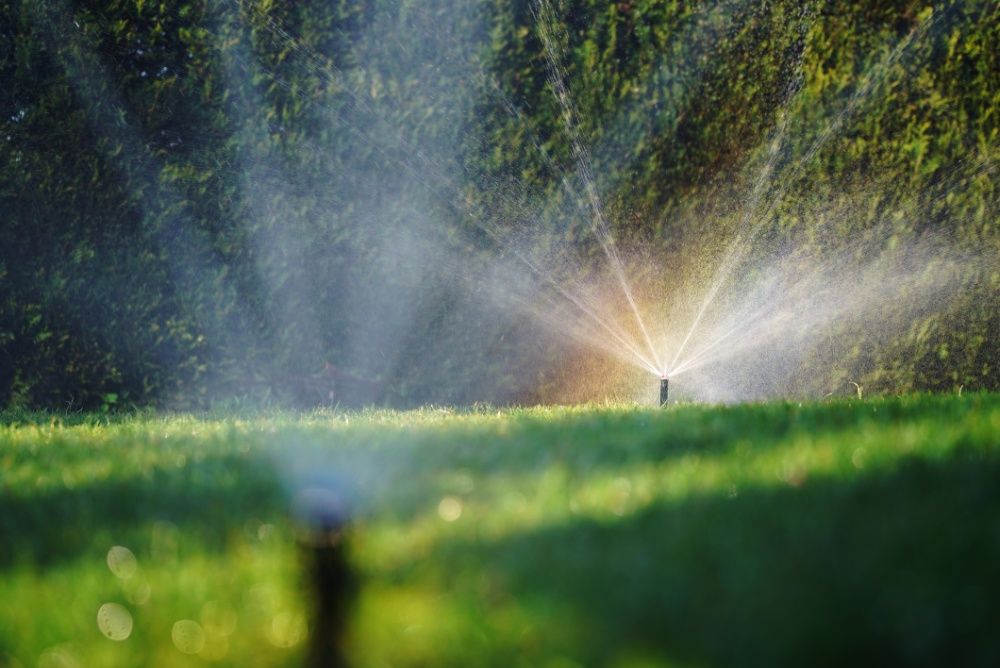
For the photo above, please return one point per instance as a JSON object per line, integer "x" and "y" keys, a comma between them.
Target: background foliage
{"x": 212, "y": 199}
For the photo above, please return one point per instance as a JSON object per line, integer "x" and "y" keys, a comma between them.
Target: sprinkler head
{"x": 664, "y": 384}
{"x": 332, "y": 583}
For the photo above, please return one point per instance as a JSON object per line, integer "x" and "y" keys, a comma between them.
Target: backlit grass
{"x": 829, "y": 533}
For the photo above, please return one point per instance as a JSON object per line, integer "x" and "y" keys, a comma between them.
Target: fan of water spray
{"x": 754, "y": 296}
{"x": 769, "y": 193}
{"x": 768, "y": 310}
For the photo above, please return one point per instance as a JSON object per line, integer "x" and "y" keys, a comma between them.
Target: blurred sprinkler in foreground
{"x": 664, "y": 387}
{"x": 322, "y": 519}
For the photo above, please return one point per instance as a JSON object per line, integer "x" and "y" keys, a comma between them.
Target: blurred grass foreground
{"x": 837, "y": 533}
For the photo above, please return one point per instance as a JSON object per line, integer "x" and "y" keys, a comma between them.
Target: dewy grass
{"x": 772, "y": 534}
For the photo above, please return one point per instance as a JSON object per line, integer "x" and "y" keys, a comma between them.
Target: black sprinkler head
{"x": 332, "y": 583}
{"x": 664, "y": 383}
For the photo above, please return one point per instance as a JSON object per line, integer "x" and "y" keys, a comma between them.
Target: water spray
{"x": 664, "y": 386}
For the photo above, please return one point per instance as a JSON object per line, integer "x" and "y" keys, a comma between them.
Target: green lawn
{"x": 836, "y": 533}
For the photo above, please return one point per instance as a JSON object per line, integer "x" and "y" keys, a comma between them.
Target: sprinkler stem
{"x": 664, "y": 384}
{"x": 329, "y": 576}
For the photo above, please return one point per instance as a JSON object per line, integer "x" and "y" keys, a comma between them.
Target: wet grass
{"x": 832, "y": 533}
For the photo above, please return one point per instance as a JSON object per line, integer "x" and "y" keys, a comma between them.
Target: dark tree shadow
{"x": 895, "y": 568}
{"x": 205, "y": 499}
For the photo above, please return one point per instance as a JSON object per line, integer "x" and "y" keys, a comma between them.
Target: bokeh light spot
{"x": 122, "y": 562}
{"x": 114, "y": 621}
{"x": 287, "y": 629}
{"x": 450, "y": 508}
{"x": 188, "y": 636}
{"x": 60, "y": 656}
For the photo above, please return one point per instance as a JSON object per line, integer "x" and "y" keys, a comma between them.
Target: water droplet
{"x": 114, "y": 621}
{"x": 188, "y": 636}
{"x": 122, "y": 562}
{"x": 450, "y": 508}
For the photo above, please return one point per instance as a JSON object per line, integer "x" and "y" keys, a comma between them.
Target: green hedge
{"x": 301, "y": 202}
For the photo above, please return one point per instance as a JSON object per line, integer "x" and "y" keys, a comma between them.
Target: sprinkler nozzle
{"x": 664, "y": 385}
